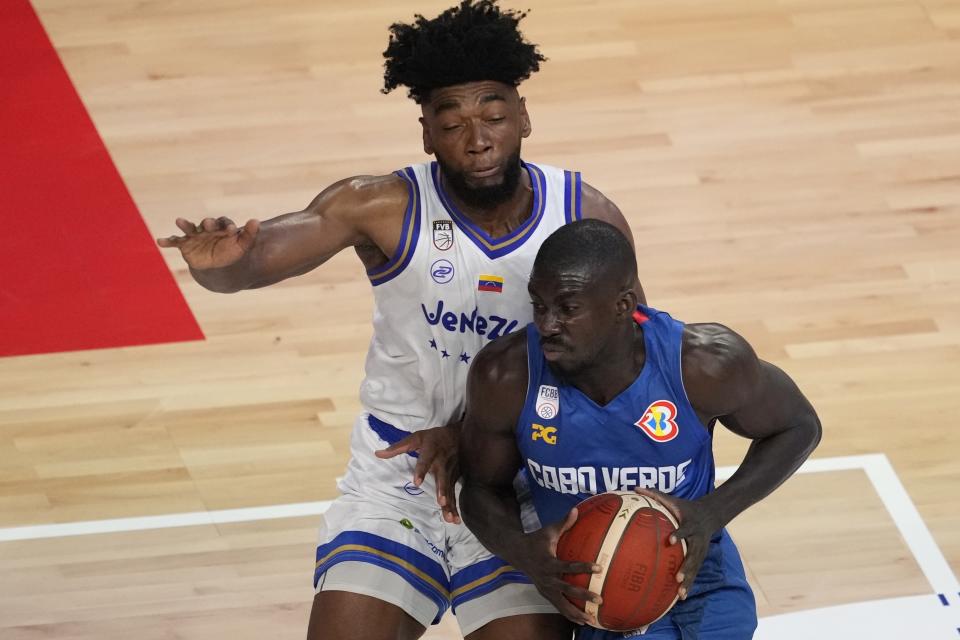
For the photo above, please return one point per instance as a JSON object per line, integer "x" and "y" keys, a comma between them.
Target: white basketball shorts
{"x": 386, "y": 538}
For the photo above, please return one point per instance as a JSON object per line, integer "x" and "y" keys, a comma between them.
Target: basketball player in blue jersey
{"x": 600, "y": 394}
{"x": 448, "y": 247}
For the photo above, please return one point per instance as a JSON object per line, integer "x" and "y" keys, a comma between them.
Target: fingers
{"x": 247, "y": 234}
{"x": 172, "y": 241}
{"x": 572, "y": 612}
{"x": 579, "y": 593}
{"x": 406, "y": 445}
{"x": 578, "y": 567}
{"x": 447, "y": 493}
{"x": 424, "y": 464}
{"x": 569, "y": 521}
{"x": 186, "y": 226}
{"x": 688, "y": 571}
{"x": 670, "y": 503}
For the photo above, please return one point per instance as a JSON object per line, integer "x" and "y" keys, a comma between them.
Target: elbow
{"x": 813, "y": 432}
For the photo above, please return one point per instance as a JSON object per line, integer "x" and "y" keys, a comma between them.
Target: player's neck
{"x": 616, "y": 368}
{"x": 503, "y": 218}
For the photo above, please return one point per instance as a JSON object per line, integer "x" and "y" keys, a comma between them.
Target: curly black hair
{"x": 473, "y": 41}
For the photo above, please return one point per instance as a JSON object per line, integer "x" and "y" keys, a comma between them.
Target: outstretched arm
{"x": 363, "y": 212}
{"x": 725, "y": 380}
{"x": 490, "y": 460}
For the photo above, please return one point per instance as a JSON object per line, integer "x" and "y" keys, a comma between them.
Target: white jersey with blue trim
{"x": 448, "y": 290}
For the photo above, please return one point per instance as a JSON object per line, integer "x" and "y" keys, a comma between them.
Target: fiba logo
{"x": 441, "y": 271}
{"x": 442, "y": 234}
{"x": 546, "y": 411}
{"x": 659, "y": 421}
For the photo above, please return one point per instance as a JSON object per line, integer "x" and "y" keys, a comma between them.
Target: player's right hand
{"x": 546, "y": 571}
{"x": 214, "y": 243}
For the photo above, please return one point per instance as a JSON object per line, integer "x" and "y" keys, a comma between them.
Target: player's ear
{"x": 525, "y": 127}
{"x": 627, "y": 302}
{"x": 427, "y": 140}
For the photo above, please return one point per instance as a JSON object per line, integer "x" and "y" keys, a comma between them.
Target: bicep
{"x": 725, "y": 379}
{"x": 774, "y": 405}
{"x": 294, "y": 243}
{"x": 488, "y": 448}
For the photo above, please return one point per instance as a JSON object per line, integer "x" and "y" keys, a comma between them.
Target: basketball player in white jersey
{"x": 448, "y": 247}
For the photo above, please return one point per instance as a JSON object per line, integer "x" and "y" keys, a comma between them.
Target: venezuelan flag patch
{"x": 490, "y": 283}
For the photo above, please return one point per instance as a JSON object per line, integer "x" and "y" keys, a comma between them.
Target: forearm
{"x": 275, "y": 256}
{"x": 494, "y": 517}
{"x": 230, "y": 279}
{"x": 767, "y": 464}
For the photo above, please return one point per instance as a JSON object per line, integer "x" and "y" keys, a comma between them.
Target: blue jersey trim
{"x": 389, "y": 433}
{"x": 482, "y": 578}
{"x": 409, "y": 232}
{"x": 578, "y": 197}
{"x": 497, "y": 247}
{"x": 421, "y": 571}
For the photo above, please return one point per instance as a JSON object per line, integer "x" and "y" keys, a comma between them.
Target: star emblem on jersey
{"x": 443, "y": 234}
{"x": 660, "y": 421}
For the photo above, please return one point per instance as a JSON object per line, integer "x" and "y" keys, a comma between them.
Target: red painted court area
{"x": 78, "y": 268}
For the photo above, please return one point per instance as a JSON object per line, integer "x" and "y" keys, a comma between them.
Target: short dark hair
{"x": 474, "y": 41}
{"x": 592, "y": 246}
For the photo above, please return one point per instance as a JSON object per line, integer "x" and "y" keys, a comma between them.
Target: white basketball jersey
{"x": 448, "y": 290}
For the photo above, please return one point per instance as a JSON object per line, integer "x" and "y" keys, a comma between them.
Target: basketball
{"x": 628, "y": 535}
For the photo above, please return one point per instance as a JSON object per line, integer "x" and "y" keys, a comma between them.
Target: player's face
{"x": 575, "y": 316}
{"x": 474, "y": 130}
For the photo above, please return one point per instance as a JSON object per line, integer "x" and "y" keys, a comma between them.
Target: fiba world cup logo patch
{"x": 442, "y": 234}
{"x": 548, "y": 402}
{"x": 660, "y": 421}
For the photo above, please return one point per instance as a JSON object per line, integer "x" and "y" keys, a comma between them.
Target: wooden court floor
{"x": 790, "y": 168}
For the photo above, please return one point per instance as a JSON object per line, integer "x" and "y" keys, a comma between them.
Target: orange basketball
{"x": 628, "y": 535}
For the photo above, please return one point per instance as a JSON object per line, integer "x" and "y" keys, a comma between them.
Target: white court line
{"x": 877, "y": 467}
{"x": 145, "y": 523}
{"x": 904, "y": 513}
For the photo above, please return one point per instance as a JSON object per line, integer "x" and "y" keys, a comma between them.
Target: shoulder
{"x": 719, "y": 366}
{"x": 364, "y": 195}
{"x": 600, "y": 207}
{"x": 597, "y": 205}
{"x": 503, "y": 362}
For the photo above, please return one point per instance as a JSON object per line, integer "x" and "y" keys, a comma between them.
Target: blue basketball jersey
{"x": 648, "y": 436}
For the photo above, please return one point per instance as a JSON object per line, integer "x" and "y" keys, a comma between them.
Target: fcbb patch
{"x": 548, "y": 402}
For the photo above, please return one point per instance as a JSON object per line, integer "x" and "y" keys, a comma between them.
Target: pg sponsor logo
{"x": 548, "y": 402}
{"x": 540, "y": 432}
{"x": 659, "y": 421}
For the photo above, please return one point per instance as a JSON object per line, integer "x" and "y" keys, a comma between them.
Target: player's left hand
{"x": 697, "y": 525}
{"x": 438, "y": 450}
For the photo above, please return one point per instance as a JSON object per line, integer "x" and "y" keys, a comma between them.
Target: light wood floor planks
{"x": 790, "y": 168}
